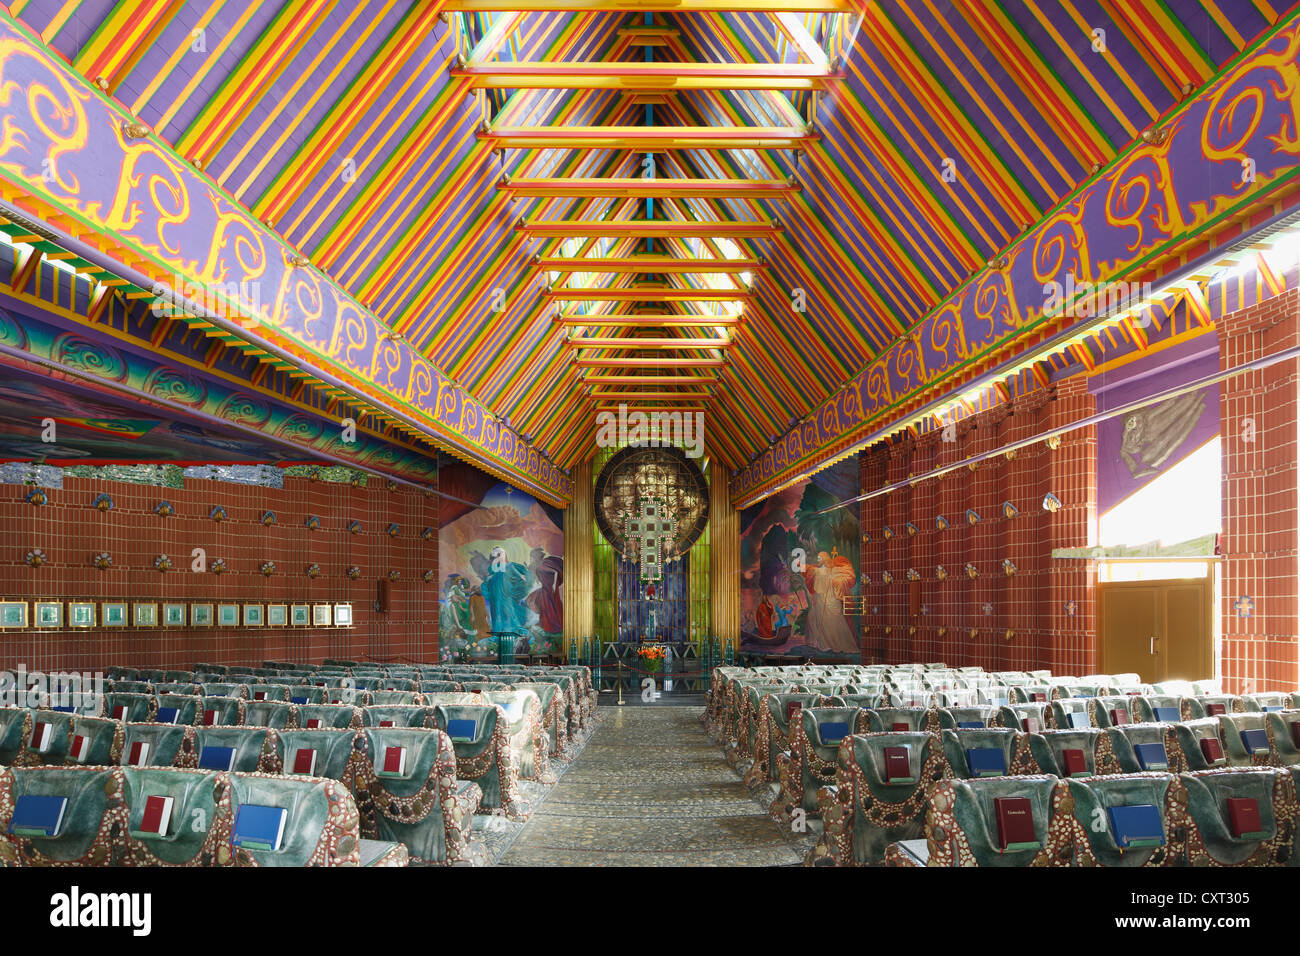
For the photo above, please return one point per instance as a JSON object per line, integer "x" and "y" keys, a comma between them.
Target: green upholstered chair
{"x": 347, "y": 696}
{"x": 189, "y": 709}
{"x": 1049, "y": 751}
{"x": 1203, "y": 705}
{"x": 438, "y": 686}
{"x": 1293, "y": 702}
{"x": 1028, "y": 717}
{"x": 1266, "y": 702}
{"x": 1013, "y": 745}
{"x": 554, "y": 720}
{"x": 390, "y": 684}
{"x": 1109, "y": 711}
{"x": 48, "y": 743}
{"x": 809, "y": 760}
{"x": 1094, "y": 797}
{"x": 1232, "y": 727}
{"x": 742, "y": 711}
{"x": 322, "y": 825}
{"x": 882, "y": 720}
{"x": 130, "y": 708}
{"x": 1189, "y": 735}
{"x": 191, "y": 839}
{"x": 400, "y": 715}
{"x": 772, "y": 730}
{"x": 335, "y": 751}
{"x": 269, "y": 692}
{"x": 163, "y": 743}
{"x": 531, "y": 750}
{"x": 1030, "y": 694}
{"x": 424, "y": 806}
{"x": 483, "y": 686}
{"x": 1208, "y": 821}
{"x": 270, "y": 713}
{"x": 132, "y": 687}
{"x": 866, "y": 810}
{"x": 186, "y": 688}
{"x": 224, "y": 689}
{"x": 1070, "y": 712}
{"x": 330, "y": 715}
{"x": 754, "y": 717}
{"x": 96, "y": 741}
{"x": 1125, "y": 743}
{"x": 478, "y": 734}
{"x": 1284, "y": 735}
{"x": 15, "y": 732}
{"x": 256, "y": 749}
{"x": 982, "y": 714}
{"x": 221, "y": 712}
{"x": 1144, "y": 707}
{"x": 301, "y": 694}
{"x": 961, "y": 825}
{"x": 94, "y": 812}
{"x": 861, "y": 701}
{"x": 384, "y": 698}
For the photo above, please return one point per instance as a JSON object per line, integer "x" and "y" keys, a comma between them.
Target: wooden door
{"x": 1160, "y": 630}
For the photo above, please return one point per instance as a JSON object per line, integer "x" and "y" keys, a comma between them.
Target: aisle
{"x": 651, "y": 789}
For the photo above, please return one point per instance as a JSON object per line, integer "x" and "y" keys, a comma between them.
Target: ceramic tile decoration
{"x": 277, "y": 615}
{"x": 13, "y": 614}
{"x": 174, "y": 615}
{"x": 200, "y": 615}
{"x": 81, "y": 614}
{"x": 227, "y": 615}
{"x": 113, "y": 614}
{"x": 300, "y": 615}
{"x": 48, "y": 613}
{"x": 144, "y": 614}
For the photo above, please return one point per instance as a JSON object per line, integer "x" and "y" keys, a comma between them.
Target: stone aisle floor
{"x": 651, "y": 789}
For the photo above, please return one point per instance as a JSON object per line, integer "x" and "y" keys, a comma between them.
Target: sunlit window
{"x": 1181, "y": 504}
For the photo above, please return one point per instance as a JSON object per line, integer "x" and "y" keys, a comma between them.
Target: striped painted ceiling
{"x": 395, "y": 144}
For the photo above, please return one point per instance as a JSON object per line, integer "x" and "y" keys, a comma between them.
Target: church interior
{"x": 649, "y": 433}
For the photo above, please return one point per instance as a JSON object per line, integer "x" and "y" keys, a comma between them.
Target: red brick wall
{"x": 70, "y": 531}
{"x": 1259, "y": 497}
{"x": 1028, "y": 625}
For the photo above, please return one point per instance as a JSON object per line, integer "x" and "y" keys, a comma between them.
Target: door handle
{"x": 1152, "y": 649}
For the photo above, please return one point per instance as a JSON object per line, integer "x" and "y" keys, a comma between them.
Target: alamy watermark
{"x": 57, "y": 689}
{"x": 238, "y": 301}
{"x": 1084, "y": 300}
{"x": 684, "y": 430}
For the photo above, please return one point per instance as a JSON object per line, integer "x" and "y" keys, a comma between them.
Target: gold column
{"x": 724, "y": 556}
{"x": 579, "y": 540}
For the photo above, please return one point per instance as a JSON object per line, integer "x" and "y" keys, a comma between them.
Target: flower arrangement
{"x": 652, "y": 658}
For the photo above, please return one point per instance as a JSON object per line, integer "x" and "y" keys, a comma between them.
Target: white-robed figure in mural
{"x": 828, "y": 582}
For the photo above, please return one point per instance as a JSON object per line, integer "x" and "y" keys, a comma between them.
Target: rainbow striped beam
{"x": 1223, "y": 155}
{"x": 87, "y": 169}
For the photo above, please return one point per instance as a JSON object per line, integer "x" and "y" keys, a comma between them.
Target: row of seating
{"x": 426, "y": 765}
{"x": 1226, "y": 817}
{"x": 804, "y": 748}
{"x": 414, "y": 769}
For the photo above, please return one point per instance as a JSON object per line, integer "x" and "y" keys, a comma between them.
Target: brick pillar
{"x": 950, "y": 501}
{"x": 981, "y": 593}
{"x": 874, "y": 466}
{"x": 894, "y": 595}
{"x": 1259, "y": 490}
{"x": 925, "y": 457}
{"x": 1070, "y": 645}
